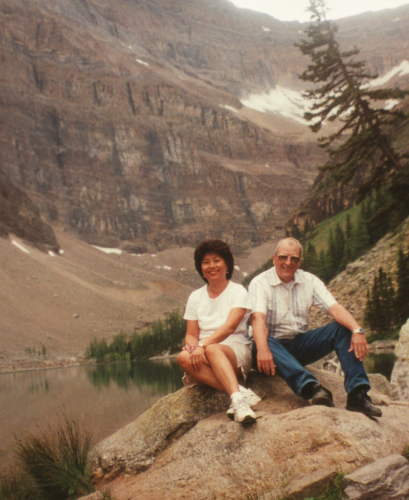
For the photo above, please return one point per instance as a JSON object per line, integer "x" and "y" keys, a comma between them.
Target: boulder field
{"x": 184, "y": 446}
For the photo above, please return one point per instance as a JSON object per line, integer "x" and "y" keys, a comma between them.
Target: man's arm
{"x": 358, "y": 341}
{"x": 265, "y": 360}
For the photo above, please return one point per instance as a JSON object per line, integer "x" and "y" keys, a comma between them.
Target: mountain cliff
{"x": 125, "y": 123}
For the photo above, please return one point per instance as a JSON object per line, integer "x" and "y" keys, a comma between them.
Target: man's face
{"x": 287, "y": 260}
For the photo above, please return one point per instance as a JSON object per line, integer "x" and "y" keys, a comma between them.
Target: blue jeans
{"x": 290, "y": 356}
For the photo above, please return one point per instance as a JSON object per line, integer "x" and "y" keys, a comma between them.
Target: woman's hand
{"x": 197, "y": 357}
{"x": 189, "y": 348}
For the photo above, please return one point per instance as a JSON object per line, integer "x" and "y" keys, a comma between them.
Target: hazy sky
{"x": 292, "y": 10}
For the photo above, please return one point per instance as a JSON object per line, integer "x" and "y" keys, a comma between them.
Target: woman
{"x": 217, "y": 347}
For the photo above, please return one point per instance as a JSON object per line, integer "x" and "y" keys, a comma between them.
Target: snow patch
{"x": 166, "y": 268}
{"x": 280, "y": 100}
{"x": 400, "y": 70}
{"x": 230, "y": 108}
{"x": 391, "y": 104}
{"x": 144, "y": 63}
{"x": 116, "y": 251}
{"x": 20, "y": 246}
{"x": 292, "y": 104}
{"x": 264, "y": 28}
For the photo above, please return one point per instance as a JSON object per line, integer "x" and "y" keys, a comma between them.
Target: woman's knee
{"x": 213, "y": 350}
{"x": 183, "y": 359}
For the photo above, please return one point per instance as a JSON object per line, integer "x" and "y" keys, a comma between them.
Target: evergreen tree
{"x": 342, "y": 93}
{"x": 325, "y": 271}
{"x": 402, "y": 292}
{"x": 339, "y": 242}
{"x": 348, "y": 250}
{"x": 311, "y": 259}
{"x": 360, "y": 239}
{"x": 380, "y": 309}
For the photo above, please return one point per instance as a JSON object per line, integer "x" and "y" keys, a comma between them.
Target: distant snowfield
{"x": 400, "y": 70}
{"x": 280, "y": 100}
{"x": 292, "y": 104}
{"x": 116, "y": 251}
{"x": 20, "y": 246}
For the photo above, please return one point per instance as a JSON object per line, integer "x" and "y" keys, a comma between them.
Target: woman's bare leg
{"x": 223, "y": 364}
{"x": 203, "y": 375}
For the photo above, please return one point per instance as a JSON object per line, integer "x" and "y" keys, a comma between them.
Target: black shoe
{"x": 321, "y": 396}
{"x": 358, "y": 400}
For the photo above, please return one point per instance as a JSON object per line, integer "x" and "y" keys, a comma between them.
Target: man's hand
{"x": 359, "y": 345}
{"x": 265, "y": 361}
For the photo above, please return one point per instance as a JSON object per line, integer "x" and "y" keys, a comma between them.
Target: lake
{"x": 103, "y": 398}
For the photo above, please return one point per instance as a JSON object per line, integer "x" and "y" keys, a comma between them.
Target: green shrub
{"x": 57, "y": 462}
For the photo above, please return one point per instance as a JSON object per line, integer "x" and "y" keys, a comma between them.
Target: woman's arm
{"x": 192, "y": 335}
{"x": 197, "y": 355}
{"x": 233, "y": 320}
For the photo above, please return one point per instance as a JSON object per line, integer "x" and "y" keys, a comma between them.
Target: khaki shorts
{"x": 243, "y": 356}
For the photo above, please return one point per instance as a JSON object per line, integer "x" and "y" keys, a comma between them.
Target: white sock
{"x": 236, "y": 396}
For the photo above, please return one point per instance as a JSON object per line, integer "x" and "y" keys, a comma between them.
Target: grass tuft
{"x": 58, "y": 462}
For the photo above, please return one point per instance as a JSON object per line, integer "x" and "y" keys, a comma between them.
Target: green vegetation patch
{"x": 162, "y": 336}
{"x": 52, "y": 465}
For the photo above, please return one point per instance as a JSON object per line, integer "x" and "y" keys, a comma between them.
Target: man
{"x": 281, "y": 298}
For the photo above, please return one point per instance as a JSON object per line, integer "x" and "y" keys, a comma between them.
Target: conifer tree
{"x": 311, "y": 259}
{"x": 341, "y": 92}
{"x": 380, "y": 309}
{"x": 402, "y": 292}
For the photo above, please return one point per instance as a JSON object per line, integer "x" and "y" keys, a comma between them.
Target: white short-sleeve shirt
{"x": 212, "y": 313}
{"x": 286, "y": 305}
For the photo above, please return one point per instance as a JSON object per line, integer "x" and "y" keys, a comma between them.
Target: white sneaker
{"x": 250, "y": 397}
{"x": 242, "y": 411}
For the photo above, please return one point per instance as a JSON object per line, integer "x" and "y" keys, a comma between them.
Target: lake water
{"x": 102, "y": 398}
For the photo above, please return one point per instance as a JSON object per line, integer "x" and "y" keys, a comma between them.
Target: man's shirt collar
{"x": 275, "y": 280}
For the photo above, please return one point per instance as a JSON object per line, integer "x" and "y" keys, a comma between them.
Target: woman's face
{"x": 214, "y": 267}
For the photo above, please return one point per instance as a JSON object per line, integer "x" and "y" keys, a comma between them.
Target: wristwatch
{"x": 359, "y": 330}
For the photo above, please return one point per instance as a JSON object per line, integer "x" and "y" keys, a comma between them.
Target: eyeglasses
{"x": 293, "y": 258}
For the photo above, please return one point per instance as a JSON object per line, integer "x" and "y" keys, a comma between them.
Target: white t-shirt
{"x": 212, "y": 313}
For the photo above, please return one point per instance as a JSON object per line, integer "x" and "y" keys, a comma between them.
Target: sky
{"x": 295, "y": 10}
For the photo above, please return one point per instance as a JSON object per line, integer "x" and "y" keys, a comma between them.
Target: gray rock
{"x": 400, "y": 372}
{"x": 386, "y": 478}
{"x": 186, "y": 443}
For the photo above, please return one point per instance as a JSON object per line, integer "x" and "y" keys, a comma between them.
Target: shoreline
{"x": 26, "y": 365}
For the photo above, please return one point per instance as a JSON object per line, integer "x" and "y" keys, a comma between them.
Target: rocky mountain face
{"x": 123, "y": 122}
{"x": 20, "y": 216}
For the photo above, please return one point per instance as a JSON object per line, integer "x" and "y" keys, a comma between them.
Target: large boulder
{"x": 387, "y": 477}
{"x": 185, "y": 445}
{"x": 400, "y": 372}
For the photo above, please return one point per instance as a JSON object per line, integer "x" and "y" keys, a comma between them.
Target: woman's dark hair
{"x": 218, "y": 247}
